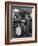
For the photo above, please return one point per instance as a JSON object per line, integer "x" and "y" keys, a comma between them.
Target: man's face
{"x": 23, "y": 21}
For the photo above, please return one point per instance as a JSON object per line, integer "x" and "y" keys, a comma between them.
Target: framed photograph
{"x": 20, "y": 22}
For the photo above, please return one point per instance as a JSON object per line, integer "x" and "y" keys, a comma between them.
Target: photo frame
{"x": 20, "y": 22}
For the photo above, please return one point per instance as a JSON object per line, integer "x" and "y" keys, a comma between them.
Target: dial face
{"x": 18, "y": 31}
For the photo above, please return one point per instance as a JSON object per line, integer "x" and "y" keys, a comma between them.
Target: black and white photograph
{"x": 21, "y": 22}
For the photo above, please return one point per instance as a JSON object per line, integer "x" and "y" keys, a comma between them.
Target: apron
{"x": 18, "y": 31}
